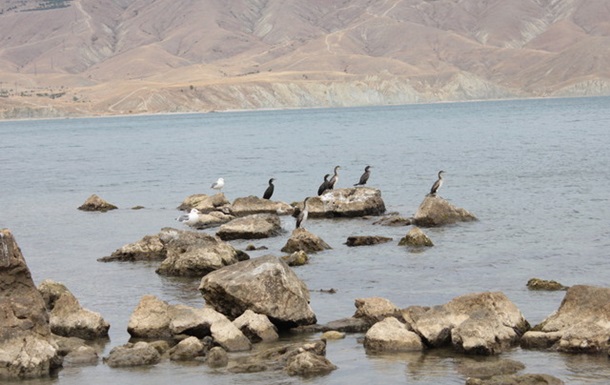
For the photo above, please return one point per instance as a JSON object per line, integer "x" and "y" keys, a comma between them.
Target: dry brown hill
{"x": 86, "y": 57}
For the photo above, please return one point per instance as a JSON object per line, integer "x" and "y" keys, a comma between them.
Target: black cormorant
{"x": 269, "y": 190}
{"x": 365, "y": 177}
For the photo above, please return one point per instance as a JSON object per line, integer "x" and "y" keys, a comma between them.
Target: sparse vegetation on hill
{"x": 199, "y": 55}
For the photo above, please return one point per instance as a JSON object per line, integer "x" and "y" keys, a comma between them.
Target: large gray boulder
{"x": 255, "y": 205}
{"x": 265, "y": 285}
{"x": 193, "y": 254}
{"x": 67, "y": 317}
{"x": 27, "y": 349}
{"x": 345, "y": 202}
{"x": 255, "y": 226}
{"x": 580, "y": 325}
{"x": 480, "y": 323}
{"x": 436, "y": 211}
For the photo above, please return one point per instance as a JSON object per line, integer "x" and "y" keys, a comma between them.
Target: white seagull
{"x": 219, "y": 184}
{"x": 190, "y": 218}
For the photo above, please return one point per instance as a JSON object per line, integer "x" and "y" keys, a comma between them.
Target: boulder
{"x": 255, "y": 226}
{"x": 255, "y": 205}
{"x": 84, "y": 355}
{"x": 345, "y": 202}
{"x": 217, "y": 357}
{"x": 375, "y": 309}
{"x": 128, "y": 355}
{"x": 193, "y": 254}
{"x": 207, "y": 321}
{"x": 265, "y": 285}
{"x": 543, "y": 284}
{"x": 391, "y": 335}
{"x": 516, "y": 379}
{"x": 256, "y": 327}
{"x": 95, "y": 203}
{"x": 308, "y": 364}
{"x": 298, "y": 258}
{"x": 187, "y": 350}
{"x": 303, "y": 240}
{"x": 416, "y": 238}
{"x": 582, "y": 323}
{"x": 150, "y": 319}
{"x": 27, "y": 349}
{"x": 480, "y": 323}
{"x": 67, "y": 317}
{"x": 366, "y": 240}
{"x": 436, "y": 211}
{"x": 206, "y": 203}
{"x": 149, "y": 248}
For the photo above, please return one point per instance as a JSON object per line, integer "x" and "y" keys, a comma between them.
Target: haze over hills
{"x": 85, "y": 57}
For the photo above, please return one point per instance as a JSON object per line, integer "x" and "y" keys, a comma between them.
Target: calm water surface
{"x": 536, "y": 173}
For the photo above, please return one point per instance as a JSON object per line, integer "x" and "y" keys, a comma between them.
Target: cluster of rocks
{"x": 252, "y": 301}
{"x": 41, "y": 328}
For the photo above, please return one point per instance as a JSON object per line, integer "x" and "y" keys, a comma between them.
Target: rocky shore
{"x": 252, "y": 302}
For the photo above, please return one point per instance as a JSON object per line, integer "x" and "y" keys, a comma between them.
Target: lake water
{"x": 536, "y": 173}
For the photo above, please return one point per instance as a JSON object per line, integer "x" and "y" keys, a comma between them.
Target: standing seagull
{"x": 438, "y": 183}
{"x": 269, "y": 190}
{"x": 365, "y": 177}
{"x": 302, "y": 217}
{"x": 189, "y": 218}
{"x": 333, "y": 181}
{"x": 324, "y": 186}
{"x": 219, "y": 184}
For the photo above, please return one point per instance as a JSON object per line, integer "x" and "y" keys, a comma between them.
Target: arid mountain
{"x": 86, "y": 57}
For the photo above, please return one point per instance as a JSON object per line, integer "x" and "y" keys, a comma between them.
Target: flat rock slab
{"x": 256, "y": 226}
{"x": 255, "y": 205}
{"x": 366, "y": 240}
{"x": 346, "y": 202}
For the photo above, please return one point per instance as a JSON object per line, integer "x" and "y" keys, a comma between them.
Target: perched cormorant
{"x": 189, "y": 218}
{"x": 333, "y": 181}
{"x": 269, "y": 190}
{"x": 438, "y": 183}
{"x": 219, "y": 184}
{"x": 302, "y": 217}
{"x": 365, "y": 177}
{"x": 324, "y": 186}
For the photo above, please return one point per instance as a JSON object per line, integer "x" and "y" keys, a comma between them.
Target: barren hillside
{"x": 85, "y": 57}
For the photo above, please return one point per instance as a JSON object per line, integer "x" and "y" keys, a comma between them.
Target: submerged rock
{"x": 543, "y": 284}
{"x": 27, "y": 349}
{"x": 366, "y": 240}
{"x": 516, "y": 379}
{"x": 95, "y": 203}
{"x": 416, "y": 238}
{"x": 128, "y": 355}
{"x": 265, "y": 285}
{"x": 436, "y": 211}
